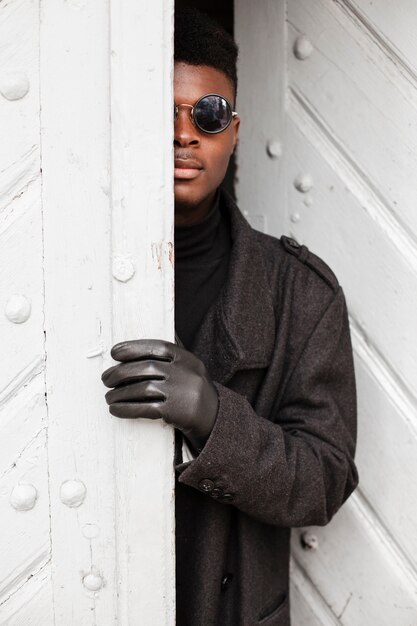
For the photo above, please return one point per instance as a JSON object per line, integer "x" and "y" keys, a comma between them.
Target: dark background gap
{"x": 222, "y": 12}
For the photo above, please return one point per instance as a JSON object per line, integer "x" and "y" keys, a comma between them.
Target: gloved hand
{"x": 158, "y": 379}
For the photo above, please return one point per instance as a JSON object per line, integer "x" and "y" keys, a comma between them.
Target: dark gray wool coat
{"x": 276, "y": 343}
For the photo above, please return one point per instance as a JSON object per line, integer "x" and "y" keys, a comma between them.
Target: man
{"x": 262, "y": 392}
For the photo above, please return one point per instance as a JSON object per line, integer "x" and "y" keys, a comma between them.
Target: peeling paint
{"x": 156, "y": 248}
{"x": 96, "y": 351}
{"x": 171, "y": 254}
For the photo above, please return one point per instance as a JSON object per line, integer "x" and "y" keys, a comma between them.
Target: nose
{"x": 185, "y": 133}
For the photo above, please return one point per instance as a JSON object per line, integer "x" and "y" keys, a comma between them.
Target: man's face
{"x": 207, "y": 155}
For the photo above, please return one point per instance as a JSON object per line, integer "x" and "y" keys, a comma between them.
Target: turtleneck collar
{"x": 197, "y": 239}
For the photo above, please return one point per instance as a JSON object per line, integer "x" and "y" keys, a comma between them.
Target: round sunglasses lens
{"x": 212, "y": 114}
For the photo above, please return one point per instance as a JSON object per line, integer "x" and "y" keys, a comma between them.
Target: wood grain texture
{"x": 349, "y": 73}
{"x": 308, "y": 608}
{"x": 351, "y": 125}
{"x": 112, "y": 556}
{"x": 32, "y": 604}
{"x": 350, "y": 131}
{"x": 356, "y": 571}
{"x": 392, "y": 26}
{"x": 143, "y": 306}
{"x": 25, "y": 547}
{"x": 74, "y": 78}
{"x": 375, "y": 272}
{"x": 80, "y": 200}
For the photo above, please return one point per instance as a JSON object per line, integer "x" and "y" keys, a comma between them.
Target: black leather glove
{"x": 158, "y": 379}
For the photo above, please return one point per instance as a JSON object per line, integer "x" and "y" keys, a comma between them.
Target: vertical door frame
{"x": 143, "y": 306}
{"x": 107, "y": 202}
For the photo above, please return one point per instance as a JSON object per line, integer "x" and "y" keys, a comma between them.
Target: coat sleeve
{"x": 295, "y": 467}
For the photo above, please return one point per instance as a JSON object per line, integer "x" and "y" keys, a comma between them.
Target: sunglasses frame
{"x": 194, "y": 121}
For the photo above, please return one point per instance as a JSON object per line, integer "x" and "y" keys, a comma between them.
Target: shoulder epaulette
{"x": 317, "y": 264}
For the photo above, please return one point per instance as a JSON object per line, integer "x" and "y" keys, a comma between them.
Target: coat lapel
{"x": 238, "y": 330}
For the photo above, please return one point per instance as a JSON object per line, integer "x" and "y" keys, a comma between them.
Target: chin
{"x": 183, "y": 197}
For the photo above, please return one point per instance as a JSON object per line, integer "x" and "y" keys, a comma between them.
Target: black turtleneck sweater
{"x": 202, "y": 252}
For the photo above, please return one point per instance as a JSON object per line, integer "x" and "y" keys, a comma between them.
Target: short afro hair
{"x": 199, "y": 40}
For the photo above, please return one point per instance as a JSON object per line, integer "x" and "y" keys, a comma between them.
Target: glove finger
{"x": 149, "y": 410}
{"x": 143, "y": 349}
{"x": 124, "y": 373}
{"x": 144, "y": 391}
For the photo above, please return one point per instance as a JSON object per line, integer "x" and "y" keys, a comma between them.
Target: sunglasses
{"x": 211, "y": 113}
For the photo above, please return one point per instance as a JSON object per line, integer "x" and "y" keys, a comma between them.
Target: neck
{"x": 185, "y": 215}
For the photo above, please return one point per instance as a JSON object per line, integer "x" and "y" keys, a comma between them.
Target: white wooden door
{"x": 328, "y": 155}
{"x": 86, "y": 260}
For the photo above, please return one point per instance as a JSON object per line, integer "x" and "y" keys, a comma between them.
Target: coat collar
{"x": 238, "y": 330}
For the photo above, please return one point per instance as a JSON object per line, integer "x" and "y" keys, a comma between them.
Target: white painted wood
{"x": 142, "y": 225}
{"x": 308, "y": 608}
{"x": 392, "y": 25}
{"x": 260, "y": 35}
{"x": 380, "y": 591}
{"x": 387, "y": 446}
{"x": 112, "y": 557}
{"x": 26, "y": 550}
{"x": 25, "y": 588}
{"x": 348, "y": 72}
{"x": 349, "y": 219}
{"x": 95, "y": 541}
{"x": 77, "y": 273}
{"x": 32, "y": 604}
{"x": 372, "y": 266}
{"x": 351, "y": 129}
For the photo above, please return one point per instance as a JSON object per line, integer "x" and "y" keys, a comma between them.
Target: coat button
{"x": 216, "y": 492}
{"x": 227, "y": 578}
{"x": 227, "y": 497}
{"x": 206, "y": 484}
{"x": 293, "y": 243}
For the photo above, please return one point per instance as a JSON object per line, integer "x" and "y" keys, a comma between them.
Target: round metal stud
{"x": 93, "y": 582}
{"x": 72, "y": 493}
{"x": 123, "y": 269}
{"x": 17, "y": 308}
{"x": 303, "y": 48}
{"x": 303, "y": 182}
{"x": 14, "y": 85}
{"x": 309, "y": 541}
{"x": 274, "y": 148}
{"x": 23, "y": 497}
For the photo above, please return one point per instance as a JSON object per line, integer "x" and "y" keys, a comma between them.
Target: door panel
{"x": 348, "y": 161}
{"x": 86, "y": 238}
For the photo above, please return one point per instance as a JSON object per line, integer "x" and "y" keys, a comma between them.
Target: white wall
{"x": 335, "y": 84}
{"x": 86, "y": 236}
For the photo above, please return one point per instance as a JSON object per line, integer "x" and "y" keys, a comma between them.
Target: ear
{"x": 236, "y": 124}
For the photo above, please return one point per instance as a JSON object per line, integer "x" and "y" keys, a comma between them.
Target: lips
{"x": 187, "y": 169}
